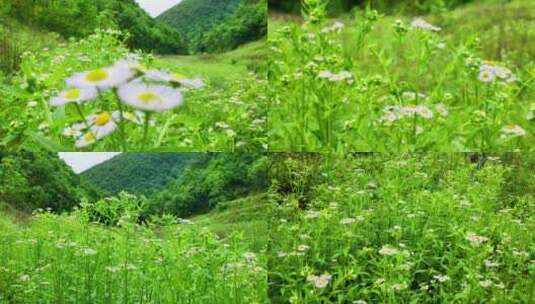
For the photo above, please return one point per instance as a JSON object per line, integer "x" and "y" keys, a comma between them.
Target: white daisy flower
{"x": 154, "y": 98}
{"x": 101, "y": 124}
{"x": 78, "y": 95}
{"x": 156, "y": 75}
{"x": 131, "y": 61}
{"x": 103, "y": 78}
{"x": 486, "y": 76}
{"x": 86, "y": 140}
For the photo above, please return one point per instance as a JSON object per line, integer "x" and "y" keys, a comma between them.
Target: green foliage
{"x": 137, "y": 173}
{"x": 404, "y": 6}
{"x": 115, "y": 210}
{"x": 208, "y": 180}
{"x": 408, "y": 228}
{"x": 247, "y": 23}
{"x": 378, "y": 83}
{"x": 228, "y": 114}
{"x": 66, "y": 258}
{"x": 40, "y": 180}
{"x": 213, "y": 25}
{"x": 80, "y": 18}
{"x": 181, "y": 184}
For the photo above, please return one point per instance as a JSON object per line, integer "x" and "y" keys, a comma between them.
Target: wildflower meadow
{"x": 70, "y": 259}
{"x": 409, "y": 228}
{"x": 453, "y": 80}
{"x": 94, "y": 94}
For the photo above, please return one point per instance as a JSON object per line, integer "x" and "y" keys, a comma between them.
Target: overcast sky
{"x": 81, "y": 161}
{"x": 156, "y": 7}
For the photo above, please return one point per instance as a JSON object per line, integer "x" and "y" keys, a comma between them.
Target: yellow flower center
{"x": 72, "y": 94}
{"x": 148, "y": 97}
{"x": 97, "y": 75}
{"x": 90, "y": 137}
{"x": 102, "y": 119}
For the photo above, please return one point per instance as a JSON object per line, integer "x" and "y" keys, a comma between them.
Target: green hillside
{"x": 214, "y": 26}
{"x": 182, "y": 184}
{"x": 39, "y": 180}
{"x": 247, "y": 215}
{"x": 50, "y": 23}
{"x": 137, "y": 173}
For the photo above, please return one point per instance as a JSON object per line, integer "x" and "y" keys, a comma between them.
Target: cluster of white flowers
{"x": 336, "y": 77}
{"x": 144, "y": 90}
{"x": 388, "y": 250}
{"x": 335, "y": 27}
{"x": 513, "y": 131}
{"x": 396, "y": 112}
{"x": 320, "y": 281}
{"x": 490, "y": 71}
{"x": 421, "y": 24}
{"x": 441, "y": 278}
{"x": 475, "y": 240}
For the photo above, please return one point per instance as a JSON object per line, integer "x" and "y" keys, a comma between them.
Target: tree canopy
{"x": 214, "y": 25}
{"x": 40, "y": 180}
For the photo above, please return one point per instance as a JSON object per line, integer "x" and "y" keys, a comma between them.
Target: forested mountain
{"x": 211, "y": 178}
{"x": 40, "y": 180}
{"x": 182, "y": 184}
{"x": 79, "y": 18}
{"x": 215, "y": 25}
{"x": 339, "y": 6}
{"x": 137, "y": 173}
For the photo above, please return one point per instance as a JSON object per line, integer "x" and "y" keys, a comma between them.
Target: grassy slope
{"x": 233, "y": 65}
{"x": 247, "y": 215}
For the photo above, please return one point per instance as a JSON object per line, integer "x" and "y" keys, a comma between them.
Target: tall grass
{"x": 71, "y": 259}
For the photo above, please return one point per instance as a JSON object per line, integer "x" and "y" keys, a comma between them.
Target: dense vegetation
{"x": 206, "y": 113}
{"x": 459, "y": 80}
{"x": 40, "y": 180}
{"x": 137, "y": 173}
{"x": 181, "y": 184}
{"x": 80, "y": 18}
{"x": 403, "y": 6}
{"x": 102, "y": 252}
{"x": 409, "y": 228}
{"x": 215, "y": 26}
{"x": 209, "y": 180}
{"x": 69, "y": 259}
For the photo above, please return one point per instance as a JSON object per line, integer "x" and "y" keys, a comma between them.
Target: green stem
{"x": 81, "y": 113}
{"x": 120, "y": 124}
{"x": 146, "y": 129}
